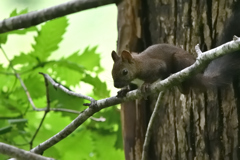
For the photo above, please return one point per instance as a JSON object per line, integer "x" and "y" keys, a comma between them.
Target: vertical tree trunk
{"x": 132, "y": 113}
{"x": 193, "y": 126}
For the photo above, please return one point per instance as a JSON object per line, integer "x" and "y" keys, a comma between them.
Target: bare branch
{"x": 20, "y": 154}
{"x": 100, "y": 119}
{"x": 198, "y": 50}
{"x": 172, "y": 80}
{"x": 65, "y": 110}
{"x": 150, "y": 126}
{"x": 37, "y": 17}
{"x": 39, "y": 126}
{"x": 45, "y": 112}
{"x": 235, "y": 37}
{"x": 57, "y": 85}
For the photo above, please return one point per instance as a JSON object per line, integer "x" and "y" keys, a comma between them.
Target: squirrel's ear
{"x": 115, "y": 56}
{"x": 126, "y": 56}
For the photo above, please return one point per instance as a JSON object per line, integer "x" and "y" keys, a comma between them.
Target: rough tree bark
{"x": 193, "y": 126}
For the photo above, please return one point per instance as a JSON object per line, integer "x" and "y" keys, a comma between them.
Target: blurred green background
{"x": 93, "y": 140}
{"x": 93, "y": 27}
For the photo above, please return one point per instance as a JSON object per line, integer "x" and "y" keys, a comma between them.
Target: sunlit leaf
{"x": 49, "y": 37}
{"x": 3, "y": 38}
{"x": 90, "y": 59}
{"x": 23, "y": 59}
{"x": 99, "y": 87}
{"x": 16, "y": 13}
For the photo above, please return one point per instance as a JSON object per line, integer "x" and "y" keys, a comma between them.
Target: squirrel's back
{"x": 163, "y": 49}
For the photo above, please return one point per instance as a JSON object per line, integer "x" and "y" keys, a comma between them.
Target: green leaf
{"x": 4, "y": 156}
{"x": 73, "y": 62}
{"x": 84, "y": 65}
{"x": 23, "y": 31}
{"x": 90, "y": 59}
{"x": 83, "y": 147}
{"x": 3, "y": 38}
{"x": 61, "y": 99}
{"x": 111, "y": 124}
{"x": 7, "y": 79}
{"x": 23, "y": 59}
{"x": 16, "y": 13}
{"x": 49, "y": 38}
{"x": 17, "y": 121}
{"x": 99, "y": 87}
{"x": 119, "y": 141}
{"x": 35, "y": 86}
{"x": 71, "y": 65}
{"x": 108, "y": 141}
{"x": 20, "y": 123}
{"x": 69, "y": 72}
{"x": 5, "y": 130}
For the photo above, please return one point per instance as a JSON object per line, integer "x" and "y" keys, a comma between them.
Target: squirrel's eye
{"x": 124, "y": 72}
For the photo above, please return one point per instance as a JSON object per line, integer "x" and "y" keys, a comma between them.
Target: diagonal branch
{"x": 37, "y": 17}
{"x": 95, "y": 106}
{"x": 44, "y": 116}
{"x": 150, "y": 126}
{"x": 20, "y": 154}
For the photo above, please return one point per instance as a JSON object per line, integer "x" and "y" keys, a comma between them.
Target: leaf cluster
{"x": 18, "y": 120}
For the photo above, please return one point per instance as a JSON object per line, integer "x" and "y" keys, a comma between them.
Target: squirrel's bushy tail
{"x": 221, "y": 70}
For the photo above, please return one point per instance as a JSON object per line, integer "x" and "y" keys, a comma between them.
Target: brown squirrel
{"x": 161, "y": 60}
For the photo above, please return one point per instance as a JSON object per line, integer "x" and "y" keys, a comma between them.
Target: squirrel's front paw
{"x": 145, "y": 88}
{"x": 122, "y": 93}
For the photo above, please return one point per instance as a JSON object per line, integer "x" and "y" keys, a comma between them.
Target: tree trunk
{"x": 193, "y": 126}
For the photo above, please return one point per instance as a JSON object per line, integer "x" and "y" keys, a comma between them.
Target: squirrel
{"x": 161, "y": 60}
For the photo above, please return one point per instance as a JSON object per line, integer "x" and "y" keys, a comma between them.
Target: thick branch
{"x": 202, "y": 60}
{"x": 20, "y": 154}
{"x": 37, "y": 17}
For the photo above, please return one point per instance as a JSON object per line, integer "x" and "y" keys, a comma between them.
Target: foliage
{"x": 18, "y": 120}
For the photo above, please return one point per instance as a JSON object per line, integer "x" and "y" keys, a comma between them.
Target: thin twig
{"x": 37, "y": 17}
{"x": 36, "y": 132}
{"x": 45, "y": 112}
{"x": 61, "y": 87}
{"x": 26, "y": 91}
{"x": 198, "y": 50}
{"x": 65, "y": 110}
{"x": 150, "y": 125}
